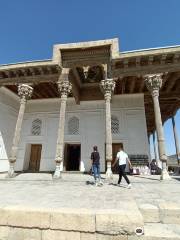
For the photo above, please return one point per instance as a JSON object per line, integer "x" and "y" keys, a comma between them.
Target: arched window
{"x": 114, "y": 125}
{"x": 73, "y": 126}
{"x": 36, "y": 127}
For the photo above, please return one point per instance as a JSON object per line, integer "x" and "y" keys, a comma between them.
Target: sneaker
{"x": 129, "y": 185}
{"x": 100, "y": 182}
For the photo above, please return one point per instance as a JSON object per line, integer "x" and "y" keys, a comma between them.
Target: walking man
{"x": 95, "y": 157}
{"x": 122, "y": 157}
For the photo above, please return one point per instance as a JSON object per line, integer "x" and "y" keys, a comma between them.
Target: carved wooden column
{"x": 154, "y": 145}
{"x": 107, "y": 87}
{"x": 25, "y": 93}
{"x": 64, "y": 87}
{"x": 176, "y": 140}
{"x": 153, "y": 84}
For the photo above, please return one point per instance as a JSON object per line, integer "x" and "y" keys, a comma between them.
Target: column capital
{"x": 153, "y": 83}
{"x": 107, "y": 87}
{"x": 25, "y": 91}
{"x": 64, "y": 88}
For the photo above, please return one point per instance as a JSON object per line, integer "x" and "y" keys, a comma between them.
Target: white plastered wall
{"x": 129, "y": 109}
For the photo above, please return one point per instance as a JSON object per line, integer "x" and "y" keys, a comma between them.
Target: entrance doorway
{"x": 35, "y": 157}
{"x": 73, "y": 152}
{"x": 115, "y": 149}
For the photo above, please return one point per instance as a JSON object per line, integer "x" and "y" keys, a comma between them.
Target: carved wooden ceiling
{"x": 87, "y": 71}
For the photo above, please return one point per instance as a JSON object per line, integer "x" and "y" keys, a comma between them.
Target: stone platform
{"x": 36, "y": 207}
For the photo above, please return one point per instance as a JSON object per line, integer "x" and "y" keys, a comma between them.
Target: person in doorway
{"x": 122, "y": 157}
{"x": 95, "y": 158}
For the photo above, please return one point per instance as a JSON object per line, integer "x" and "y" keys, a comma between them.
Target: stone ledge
{"x": 169, "y": 212}
{"x": 110, "y": 222}
{"x": 159, "y": 231}
{"x": 82, "y": 220}
{"x": 24, "y": 217}
{"x": 115, "y": 222}
{"x": 150, "y": 213}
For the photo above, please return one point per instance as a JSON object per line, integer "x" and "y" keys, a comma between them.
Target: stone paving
{"x": 78, "y": 191}
{"x": 110, "y": 210}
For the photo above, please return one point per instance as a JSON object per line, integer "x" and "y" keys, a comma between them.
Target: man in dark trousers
{"x": 95, "y": 157}
{"x": 122, "y": 157}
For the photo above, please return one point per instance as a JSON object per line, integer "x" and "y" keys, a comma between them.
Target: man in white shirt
{"x": 122, "y": 157}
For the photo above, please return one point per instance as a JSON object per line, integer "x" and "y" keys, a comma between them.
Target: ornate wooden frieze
{"x": 89, "y": 56}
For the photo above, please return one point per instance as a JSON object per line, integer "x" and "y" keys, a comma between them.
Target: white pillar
{"x": 153, "y": 84}
{"x": 155, "y": 150}
{"x": 64, "y": 88}
{"x": 176, "y": 140}
{"x": 24, "y": 92}
{"x": 107, "y": 86}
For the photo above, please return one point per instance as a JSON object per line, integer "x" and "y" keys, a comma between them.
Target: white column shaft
{"x": 60, "y": 138}
{"x": 176, "y": 140}
{"x": 17, "y": 132}
{"x": 159, "y": 129}
{"x": 108, "y": 131}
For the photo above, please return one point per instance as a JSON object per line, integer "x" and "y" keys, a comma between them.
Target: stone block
{"x": 24, "y": 234}
{"x": 118, "y": 222}
{"x": 25, "y": 217}
{"x": 169, "y": 212}
{"x": 110, "y": 237}
{"x": 73, "y": 220}
{"x": 4, "y": 232}
{"x": 149, "y": 212}
{"x": 59, "y": 235}
{"x": 3, "y": 217}
{"x": 159, "y": 231}
{"x": 88, "y": 236}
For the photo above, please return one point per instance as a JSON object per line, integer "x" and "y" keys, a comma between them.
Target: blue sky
{"x": 28, "y": 29}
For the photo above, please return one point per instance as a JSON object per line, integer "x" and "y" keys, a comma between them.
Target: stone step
{"x": 164, "y": 212}
{"x": 159, "y": 231}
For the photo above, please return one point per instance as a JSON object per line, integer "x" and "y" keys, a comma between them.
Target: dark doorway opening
{"x": 35, "y": 157}
{"x": 115, "y": 150}
{"x": 73, "y": 157}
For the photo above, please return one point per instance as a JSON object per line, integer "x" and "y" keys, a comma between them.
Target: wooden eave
{"x": 29, "y": 72}
{"x": 127, "y": 68}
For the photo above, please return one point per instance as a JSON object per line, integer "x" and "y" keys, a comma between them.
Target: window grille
{"x": 36, "y": 127}
{"x": 73, "y": 126}
{"x": 114, "y": 125}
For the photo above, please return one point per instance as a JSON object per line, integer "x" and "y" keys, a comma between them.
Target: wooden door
{"x": 35, "y": 157}
{"x": 115, "y": 149}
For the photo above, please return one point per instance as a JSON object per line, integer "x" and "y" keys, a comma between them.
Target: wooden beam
{"x": 132, "y": 85}
{"x": 150, "y": 60}
{"x": 147, "y": 69}
{"x": 163, "y": 58}
{"x": 141, "y": 87}
{"x": 76, "y": 74}
{"x": 176, "y": 58}
{"x": 171, "y": 81}
{"x": 75, "y": 87}
{"x": 123, "y": 85}
{"x": 125, "y": 62}
{"x": 138, "y": 60}
{"x": 29, "y": 79}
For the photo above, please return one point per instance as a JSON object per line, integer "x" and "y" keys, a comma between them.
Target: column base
{"x": 57, "y": 173}
{"x": 165, "y": 175}
{"x": 109, "y": 174}
{"x": 177, "y": 171}
{"x": 11, "y": 172}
